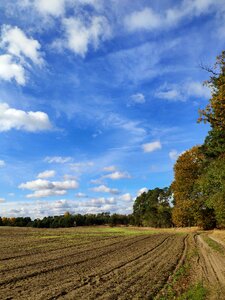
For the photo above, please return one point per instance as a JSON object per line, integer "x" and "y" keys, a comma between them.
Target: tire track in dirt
{"x": 213, "y": 268}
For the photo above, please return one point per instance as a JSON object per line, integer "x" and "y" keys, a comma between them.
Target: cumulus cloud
{"x": 126, "y": 197}
{"x": 45, "y": 188}
{"x": 2, "y": 200}
{"x": 46, "y": 174}
{"x": 81, "y": 34}
{"x": 11, "y": 70}
{"x": 153, "y": 146}
{"x": 117, "y": 175}
{"x": 11, "y": 118}
{"x": 99, "y": 202}
{"x": 51, "y": 7}
{"x": 46, "y": 193}
{"x": 105, "y": 189}
{"x": 141, "y": 191}
{"x": 138, "y": 98}
{"x": 58, "y": 159}
{"x": 2, "y": 163}
{"x": 16, "y": 43}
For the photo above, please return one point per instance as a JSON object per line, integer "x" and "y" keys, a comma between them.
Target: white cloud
{"x": 96, "y": 181}
{"x": 173, "y": 154}
{"x": 81, "y": 195}
{"x": 197, "y": 89}
{"x": 51, "y": 7}
{"x": 46, "y": 174}
{"x": 182, "y": 91}
{"x": 58, "y": 159}
{"x": 126, "y": 197}
{"x": 2, "y": 200}
{"x": 153, "y": 146}
{"x": 80, "y": 167}
{"x": 16, "y": 43}
{"x": 99, "y": 202}
{"x": 141, "y": 191}
{"x": 171, "y": 94}
{"x": 105, "y": 189}
{"x": 80, "y": 35}
{"x": 11, "y": 118}
{"x": 45, "y": 188}
{"x": 2, "y": 163}
{"x": 117, "y": 175}
{"x": 109, "y": 169}
{"x": 147, "y": 19}
{"x": 38, "y": 184}
{"x": 138, "y": 98}
{"x": 144, "y": 19}
{"x": 46, "y": 193}
{"x": 11, "y": 70}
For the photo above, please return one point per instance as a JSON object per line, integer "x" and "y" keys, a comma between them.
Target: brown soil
{"x": 84, "y": 264}
{"x": 212, "y": 269}
{"x": 85, "y": 267}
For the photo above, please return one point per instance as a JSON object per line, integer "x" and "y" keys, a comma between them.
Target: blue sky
{"x": 98, "y": 98}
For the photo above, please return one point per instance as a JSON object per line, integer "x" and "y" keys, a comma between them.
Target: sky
{"x": 98, "y": 99}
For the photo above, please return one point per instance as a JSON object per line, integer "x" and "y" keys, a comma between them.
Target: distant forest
{"x": 196, "y": 197}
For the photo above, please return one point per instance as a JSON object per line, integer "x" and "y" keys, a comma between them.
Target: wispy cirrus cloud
{"x": 58, "y": 159}
{"x": 182, "y": 91}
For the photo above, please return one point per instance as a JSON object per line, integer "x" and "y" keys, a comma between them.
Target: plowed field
{"x": 86, "y": 264}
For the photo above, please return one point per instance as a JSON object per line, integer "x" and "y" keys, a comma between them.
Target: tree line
{"x": 69, "y": 220}
{"x": 196, "y": 197}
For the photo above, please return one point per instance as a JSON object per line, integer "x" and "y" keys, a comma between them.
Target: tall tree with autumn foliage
{"x": 187, "y": 169}
{"x": 199, "y": 184}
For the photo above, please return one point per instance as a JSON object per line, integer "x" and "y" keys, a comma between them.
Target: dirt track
{"x": 213, "y": 269}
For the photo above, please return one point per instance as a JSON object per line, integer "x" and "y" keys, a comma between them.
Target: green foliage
{"x": 196, "y": 292}
{"x": 210, "y": 191}
{"x": 69, "y": 220}
{"x": 214, "y": 112}
{"x": 153, "y": 208}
